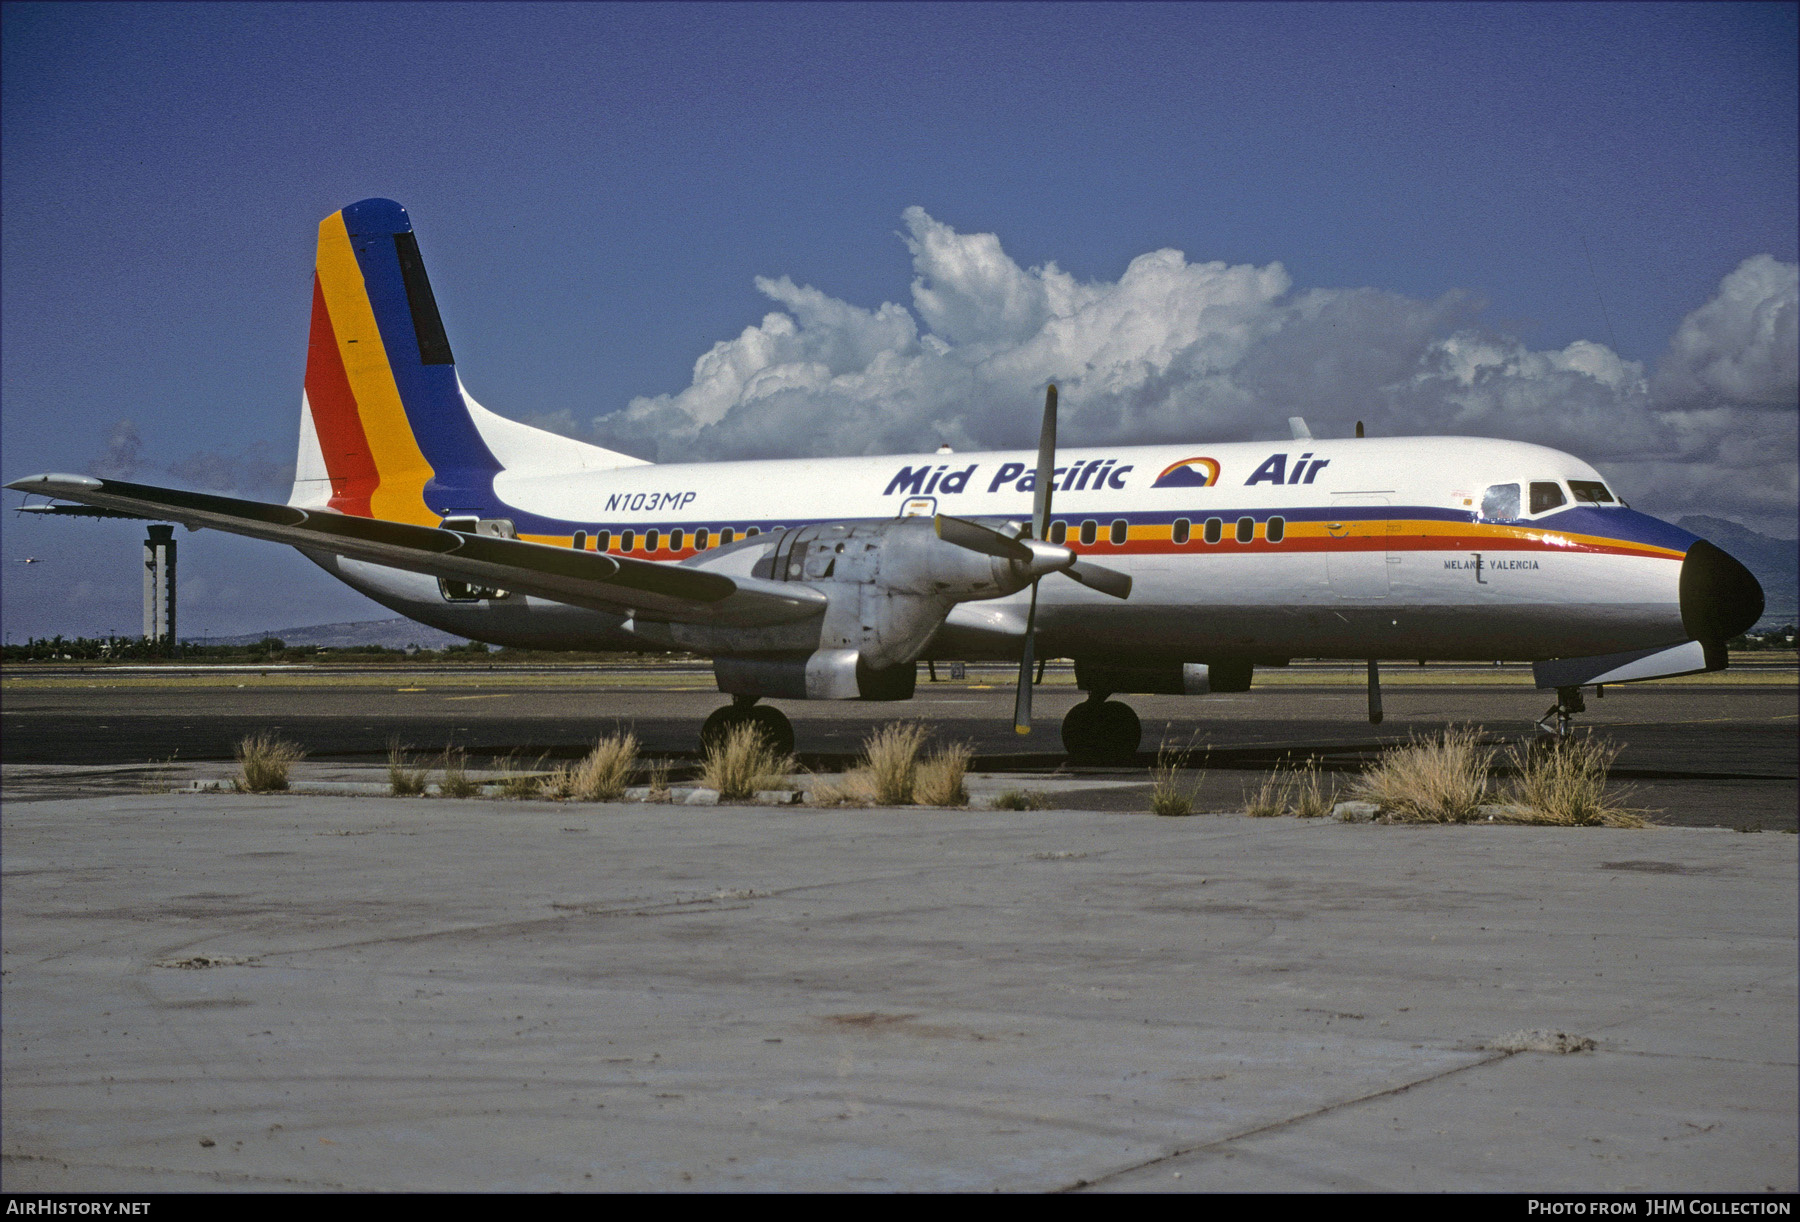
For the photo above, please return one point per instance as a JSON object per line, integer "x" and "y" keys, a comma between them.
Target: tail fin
{"x": 386, "y": 430}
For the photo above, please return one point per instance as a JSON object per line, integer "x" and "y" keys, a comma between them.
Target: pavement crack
{"x": 1284, "y": 1122}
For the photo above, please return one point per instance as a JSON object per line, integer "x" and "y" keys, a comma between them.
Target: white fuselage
{"x": 1353, "y": 548}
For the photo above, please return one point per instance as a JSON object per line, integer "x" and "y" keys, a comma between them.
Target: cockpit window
{"x": 1501, "y": 504}
{"x": 1546, "y": 495}
{"x": 1590, "y": 491}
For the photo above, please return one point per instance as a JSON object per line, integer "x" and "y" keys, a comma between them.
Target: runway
{"x": 1719, "y": 751}
{"x": 219, "y": 991}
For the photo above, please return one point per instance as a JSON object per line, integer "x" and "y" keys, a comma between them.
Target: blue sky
{"x": 597, "y": 189}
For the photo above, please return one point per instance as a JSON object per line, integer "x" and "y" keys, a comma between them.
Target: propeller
{"x": 1037, "y": 557}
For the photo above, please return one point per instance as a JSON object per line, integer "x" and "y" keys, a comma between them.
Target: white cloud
{"x": 1743, "y": 346}
{"x": 1175, "y": 349}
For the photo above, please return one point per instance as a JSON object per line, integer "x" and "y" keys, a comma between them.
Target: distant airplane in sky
{"x": 1170, "y": 569}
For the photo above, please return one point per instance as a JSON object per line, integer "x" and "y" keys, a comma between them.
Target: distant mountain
{"x": 1775, "y": 562}
{"x": 396, "y": 633}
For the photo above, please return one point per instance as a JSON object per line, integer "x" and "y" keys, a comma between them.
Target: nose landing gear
{"x": 1101, "y": 731}
{"x": 1558, "y": 721}
{"x": 777, "y": 730}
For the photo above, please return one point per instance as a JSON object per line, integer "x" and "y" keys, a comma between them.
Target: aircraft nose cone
{"x": 1719, "y": 597}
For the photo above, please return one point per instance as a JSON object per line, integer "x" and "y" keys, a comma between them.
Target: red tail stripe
{"x": 335, "y": 420}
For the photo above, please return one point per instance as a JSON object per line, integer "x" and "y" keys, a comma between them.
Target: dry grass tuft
{"x": 742, "y": 763}
{"x": 263, "y": 763}
{"x": 601, "y": 775}
{"x": 1169, "y": 797}
{"x": 891, "y": 758}
{"x": 659, "y": 779}
{"x": 1565, "y": 785}
{"x": 1023, "y": 799}
{"x": 853, "y": 788}
{"x": 940, "y": 777}
{"x": 1310, "y": 797}
{"x": 1439, "y": 780}
{"x": 522, "y": 783}
{"x": 1271, "y": 797}
{"x": 457, "y": 782}
{"x": 405, "y": 778}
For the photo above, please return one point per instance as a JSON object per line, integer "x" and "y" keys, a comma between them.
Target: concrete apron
{"x": 219, "y": 991}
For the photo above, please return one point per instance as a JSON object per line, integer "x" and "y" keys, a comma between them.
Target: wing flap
{"x": 618, "y": 585}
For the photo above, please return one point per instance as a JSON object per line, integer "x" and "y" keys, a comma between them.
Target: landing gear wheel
{"x": 1101, "y": 732}
{"x": 719, "y": 724}
{"x": 1122, "y": 730}
{"x": 777, "y": 731}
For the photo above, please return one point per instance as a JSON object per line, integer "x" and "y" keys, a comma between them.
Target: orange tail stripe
{"x": 400, "y": 494}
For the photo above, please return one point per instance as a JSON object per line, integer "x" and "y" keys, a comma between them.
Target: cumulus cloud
{"x": 1743, "y": 346}
{"x": 1175, "y": 349}
{"x": 256, "y": 471}
{"x": 123, "y": 450}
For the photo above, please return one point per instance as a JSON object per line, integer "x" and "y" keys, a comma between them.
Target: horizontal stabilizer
{"x": 614, "y": 584}
{"x": 1662, "y": 662}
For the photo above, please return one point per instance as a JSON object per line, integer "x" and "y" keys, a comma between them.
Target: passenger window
{"x": 652, "y": 540}
{"x": 1121, "y": 530}
{"x": 1246, "y": 529}
{"x": 627, "y": 540}
{"x": 727, "y": 535}
{"x": 1182, "y": 530}
{"x": 1545, "y": 495}
{"x": 1590, "y": 490}
{"x": 579, "y": 542}
{"x": 1214, "y": 530}
{"x": 752, "y": 532}
{"x": 1090, "y": 530}
{"x": 1501, "y": 504}
{"x": 702, "y": 539}
{"x": 1276, "y": 530}
{"x": 602, "y": 540}
{"x": 1059, "y": 532}
{"x": 677, "y": 538}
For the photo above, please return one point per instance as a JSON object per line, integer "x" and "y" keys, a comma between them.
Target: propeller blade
{"x": 978, "y": 538}
{"x": 1022, "y": 701}
{"x": 1046, "y": 468}
{"x": 1099, "y": 577}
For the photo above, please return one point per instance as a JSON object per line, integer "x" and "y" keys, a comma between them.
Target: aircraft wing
{"x": 615, "y": 584}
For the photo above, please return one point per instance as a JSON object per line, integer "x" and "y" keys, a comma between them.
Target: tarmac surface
{"x": 1721, "y": 751}
{"x": 221, "y": 991}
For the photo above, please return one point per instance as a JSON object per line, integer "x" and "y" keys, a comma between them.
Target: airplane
{"x": 1173, "y": 569}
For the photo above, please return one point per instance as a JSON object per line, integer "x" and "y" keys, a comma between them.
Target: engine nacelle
{"x": 828, "y": 674}
{"x": 888, "y": 587}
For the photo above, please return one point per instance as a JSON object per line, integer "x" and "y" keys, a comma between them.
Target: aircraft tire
{"x": 1121, "y": 732}
{"x": 1081, "y": 732}
{"x": 777, "y": 730}
{"x": 718, "y": 724}
{"x": 1101, "y": 732}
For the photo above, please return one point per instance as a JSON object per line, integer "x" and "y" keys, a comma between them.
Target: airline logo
{"x": 1189, "y": 473}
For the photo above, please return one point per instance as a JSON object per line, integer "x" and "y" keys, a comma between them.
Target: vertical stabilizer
{"x": 385, "y": 430}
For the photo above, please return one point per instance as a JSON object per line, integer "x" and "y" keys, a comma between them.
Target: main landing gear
{"x": 1101, "y": 731}
{"x": 1558, "y": 721}
{"x": 777, "y": 730}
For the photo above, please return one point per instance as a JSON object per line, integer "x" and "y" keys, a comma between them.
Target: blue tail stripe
{"x": 463, "y": 466}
